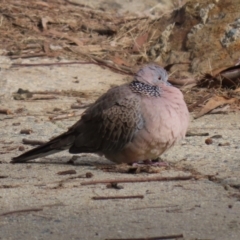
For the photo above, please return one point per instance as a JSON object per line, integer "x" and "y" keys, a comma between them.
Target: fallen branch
{"x": 118, "y": 197}
{"x": 132, "y": 180}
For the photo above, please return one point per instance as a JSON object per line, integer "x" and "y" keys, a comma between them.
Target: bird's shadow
{"x": 87, "y": 161}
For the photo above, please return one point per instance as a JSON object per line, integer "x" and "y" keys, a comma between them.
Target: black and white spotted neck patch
{"x": 145, "y": 89}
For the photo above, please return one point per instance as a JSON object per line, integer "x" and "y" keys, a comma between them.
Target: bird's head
{"x": 152, "y": 74}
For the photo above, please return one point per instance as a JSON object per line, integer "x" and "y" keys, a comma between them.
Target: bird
{"x": 130, "y": 123}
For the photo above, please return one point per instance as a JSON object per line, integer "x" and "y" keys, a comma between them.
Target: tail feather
{"x": 57, "y": 144}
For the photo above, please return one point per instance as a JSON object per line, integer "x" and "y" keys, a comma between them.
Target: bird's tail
{"x": 57, "y": 144}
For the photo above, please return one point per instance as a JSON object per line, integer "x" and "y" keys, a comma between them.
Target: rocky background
{"x": 57, "y": 57}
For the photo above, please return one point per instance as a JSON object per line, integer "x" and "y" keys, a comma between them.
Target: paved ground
{"x": 62, "y": 208}
{"x": 38, "y": 203}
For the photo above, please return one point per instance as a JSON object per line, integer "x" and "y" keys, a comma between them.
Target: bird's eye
{"x": 159, "y": 78}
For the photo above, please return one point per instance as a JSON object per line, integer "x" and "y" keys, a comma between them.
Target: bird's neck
{"x": 145, "y": 89}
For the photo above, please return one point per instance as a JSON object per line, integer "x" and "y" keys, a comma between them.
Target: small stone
{"x": 89, "y": 175}
{"x": 224, "y": 144}
{"x": 21, "y": 148}
{"x": 209, "y": 141}
{"x": 26, "y": 131}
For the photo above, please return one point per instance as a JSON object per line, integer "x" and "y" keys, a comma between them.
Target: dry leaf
{"x": 213, "y": 103}
{"x": 45, "y": 21}
{"x": 237, "y": 90}
{"x": 138, "y": 43}
{"x": 63, "y": 35}
{"x": 224, "y": 76}
{"x": 182, "y": 82}
{"x": 46, "y": 47}
{"x": 232, "y": 72}
{"x": 119, "y": 61}
{"x": 44, "y": 4}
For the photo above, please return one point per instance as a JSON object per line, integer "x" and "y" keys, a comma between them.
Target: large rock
{"x": 204, "y": 34}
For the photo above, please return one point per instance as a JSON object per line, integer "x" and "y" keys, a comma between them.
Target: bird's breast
{"x": 166, "y": 119}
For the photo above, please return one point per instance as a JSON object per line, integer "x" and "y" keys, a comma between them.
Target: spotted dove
{"x": 130, "y": 123}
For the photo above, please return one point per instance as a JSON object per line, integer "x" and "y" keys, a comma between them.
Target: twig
{"x": 150, "y": 238}
{"x": 113, "y": 66}
{"x": 42, "y": 97}
{"x": 77, "y": 4}
{"x": 132, "y": 180}
{"x": 168, "y": 206}
{"x": 182, "y": 82}
{"x": 54, "y": 33}
{"x": 80, "y": 106}
{"x": 48, "y": 64}
{"x": 71, "y": 171}
{"x": 192, "y": 134}
{"x": 129, "y": 19}
{"x": 99, "y": 62}
{"x": 33, "y": 142}
{"x": 223, "y": 109}
{"x": 5, "y": 111}
{"x": 22, "y": 211}
{"x": 118, "y": 197}
{"x": 200, "y": 101}
{"x": 64, "y": 116}
{"x": 29, "y": 56}
{"x": 55, "y": 92}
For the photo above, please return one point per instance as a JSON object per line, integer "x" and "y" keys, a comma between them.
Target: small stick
{"x": 79, "y": 106}
{"x": 100, "y": 62}
{"x": 132, "y": 180}
{"x": 48, "y": 64}
{"x": 169, "y": 206}
{"x": 42, "y": 97}
{"x": 33, "y": 142}
{"x": 118, "y": 197}
{"x": 22, "y": 211}
{"x": 182, "y": 82}
{"x": 202, "y": 100}
{"x": 5, "y": 111}
{"x": 64, "y": 116}
{"x": 192, "y": 134}
{"x": 46, "y": 92}
{"x": 29, "y": 56}
{"x": 224, "y": 109}
{"x": 71, "y": 171}
{"x": 150, "y": 238}
{"x": 26, "y": 131}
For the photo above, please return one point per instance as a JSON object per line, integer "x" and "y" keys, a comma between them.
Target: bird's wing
{"x": 110, "y": 123}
